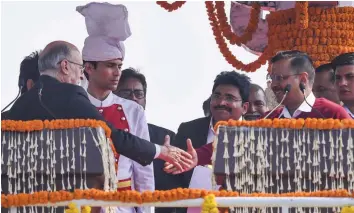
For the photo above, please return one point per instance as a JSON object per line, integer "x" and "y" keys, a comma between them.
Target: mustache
{"x": 223, "y": 108}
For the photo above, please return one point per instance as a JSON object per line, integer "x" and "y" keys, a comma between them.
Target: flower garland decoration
{"x": 329, "y": 32}
{"x": 128, "y": 196}
{"x": 171, "y": 6}
{"x": 302, "y": 15}
{"x": 73, "y": 209}
{"x": 209, "y": 205}
{"x": 38, "y": 125}
{"x": 228, "y": 55}
{"x": 226, "y": 28}
{"x": 347, "y": 209}
{"x": 310, "y": 123}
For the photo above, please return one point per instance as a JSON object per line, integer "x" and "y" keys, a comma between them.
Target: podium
{"x": 55, "y": 159}
{"x": 260, "y": 159}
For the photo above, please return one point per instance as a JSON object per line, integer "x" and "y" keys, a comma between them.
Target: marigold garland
{"x": 347, "y": 209}
{"x": 38, "y": 125}
{"x": 310, "y": 123}
{"x": 209, "y": 205}
{"x": 226, "y": 28}
{"x": 228, "y": 55}
{"x": 44, "y": 197}
{"x": 302, "y": 15}
{"x": 171, "y": 6}
{"x": 73, "y": 209}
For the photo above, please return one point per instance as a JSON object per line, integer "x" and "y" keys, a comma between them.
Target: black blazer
{"x": 68, "y": 101}
{"x": 163, "y": 181}
{"x": 196, "y": 130}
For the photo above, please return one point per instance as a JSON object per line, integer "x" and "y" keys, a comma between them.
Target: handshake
{"x": 178, "y": 160}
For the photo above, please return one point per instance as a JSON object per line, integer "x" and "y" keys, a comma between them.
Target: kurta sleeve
{"x": 143, "y": 175}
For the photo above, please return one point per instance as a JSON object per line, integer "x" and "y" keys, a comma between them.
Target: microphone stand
{"x": 302, "y": 88}
{"x": 287, "y": 90}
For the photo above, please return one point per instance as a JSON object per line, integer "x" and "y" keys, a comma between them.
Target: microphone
{"x": 302, "y": 88}
{"x": 21, "y": 84}
{"x": 286, "y": 90}
{"x": 41, "y": 102}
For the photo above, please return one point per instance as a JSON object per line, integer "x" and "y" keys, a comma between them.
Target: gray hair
{"x": 50, "y": 59}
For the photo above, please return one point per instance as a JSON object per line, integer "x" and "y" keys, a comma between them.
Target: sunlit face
{"x": 106, "y": 74}
{"x": 226, "y": 103}
{"x": 282, "y": 75}
{"x": 324, "y": 87}
{"x": 132, "y": 89}
{"x": 257, "y": 105}
{"x": 345, "y": 83}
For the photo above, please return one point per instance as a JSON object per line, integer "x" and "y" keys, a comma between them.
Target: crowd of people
{"x": 60, "y": 82}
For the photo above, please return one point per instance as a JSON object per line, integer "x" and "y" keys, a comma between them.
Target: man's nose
{"x": 251, "y": 109}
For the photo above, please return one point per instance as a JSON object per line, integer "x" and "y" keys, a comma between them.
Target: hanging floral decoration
{"x": 309, "y": 123}
{"x": 228, "y": 55}
{"x": 348, "y": 209}
{"x": 302, "y": 15}
{"x": 226, "y": 27}
{"x": 73, "y": 209}
{"x": 44, "y": 197}
{"x": 38, "y": 125}
{"x": 171, "y": 6}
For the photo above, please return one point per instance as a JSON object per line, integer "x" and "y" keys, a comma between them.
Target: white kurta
{"x": 142, "y": 177}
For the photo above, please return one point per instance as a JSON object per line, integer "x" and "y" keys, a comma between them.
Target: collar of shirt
{"x": 348, "y": 111}
{"x": 304, "y": 107}
{"x": 98, "y": 103}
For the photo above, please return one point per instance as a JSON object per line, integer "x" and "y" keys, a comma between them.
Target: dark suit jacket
{"x": 68, "y": 101}
{"x": 163, "y": 181}
{"x": 4, "y": 115}
{"x": 196, "y": 130}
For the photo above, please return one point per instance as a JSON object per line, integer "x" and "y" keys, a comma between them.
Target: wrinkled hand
{"x": 175, "y": 156}
{"x": 172, "y": 169}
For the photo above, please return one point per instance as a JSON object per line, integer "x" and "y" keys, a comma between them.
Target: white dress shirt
{"x": 348, "y": 111}
{"x": 304, "y": 107}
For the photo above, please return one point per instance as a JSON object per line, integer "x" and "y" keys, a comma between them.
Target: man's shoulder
{"x": 160, "y": 129}
{"x": 275, "y": 113}
{"x": 331, "y": 109}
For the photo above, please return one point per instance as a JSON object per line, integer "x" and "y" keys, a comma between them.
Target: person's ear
{"x": 29, "y": 84}
{"x": 245, "y": 107}
{"x": 64, "y": 67}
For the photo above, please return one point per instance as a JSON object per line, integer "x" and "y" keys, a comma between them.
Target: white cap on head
{"x": 107, "y": 26}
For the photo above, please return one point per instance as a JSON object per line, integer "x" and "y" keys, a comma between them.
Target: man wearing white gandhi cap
{"x": 103, "y": 54}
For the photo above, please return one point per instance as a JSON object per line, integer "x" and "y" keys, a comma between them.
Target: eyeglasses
{"x": 126, "y": 93}
{"x": 228, "y": 98}
{"x": 279, "y": 78}
{"x": 82, "y": 67}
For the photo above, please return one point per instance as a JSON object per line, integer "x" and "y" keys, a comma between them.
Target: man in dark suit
{"x": 229, "y": 100}
{"x": 132, "y": 85}
{"x": 29, "y": 74}
{"x": 55, "y": 96}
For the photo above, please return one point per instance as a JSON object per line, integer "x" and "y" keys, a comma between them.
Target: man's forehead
{"x": 345, "y": 69}
{"x": 280, "y": 67}
{"x": 115, "y": 61}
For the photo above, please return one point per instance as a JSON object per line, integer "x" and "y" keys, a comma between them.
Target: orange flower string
{"x": 302, "y": 14}
{"x": 38, "y": 125}
{"x": 228, "y": 55}
{"x": 171, "y": 6}
{"x": 44, "y": 197}
{"x": 226, "y": 28}
{"x": 310, "y": 123}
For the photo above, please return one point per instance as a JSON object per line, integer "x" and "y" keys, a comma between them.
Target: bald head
{"x": 53, "y": 53}
{"x": 62, "y": 60}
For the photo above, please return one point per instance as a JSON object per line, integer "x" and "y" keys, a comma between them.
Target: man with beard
{"x": 103, "y": 57}
{"x": 344, "y": 74}
{"x": 295, "y": 68}
{"x": 257, "y": 103}
{"x": 324, "y": 86}
{"x": 229, "y": 100}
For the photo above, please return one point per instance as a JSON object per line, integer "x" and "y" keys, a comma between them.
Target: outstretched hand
{"x": 172, "y": 169}
{"x": 175, "y": 156}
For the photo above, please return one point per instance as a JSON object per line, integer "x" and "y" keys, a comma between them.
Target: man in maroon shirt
{"x": 288, "y": 68}
{"x": 296, "y": 69}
